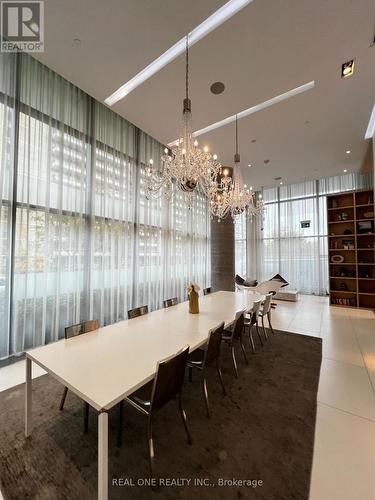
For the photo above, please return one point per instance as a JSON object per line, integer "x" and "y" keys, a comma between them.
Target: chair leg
{"x": 151, "y": 453}
{"x": 62, "y": 402}
{"x": 259, "y": 335}
{"x": 190, "y": 374}
{"x": 251, "y": 339}
{"x": 269, "y": 322}
{"x": 120, "y": 424}
{"x": 264, "y": 330}
{"x": 243, "y": 350}
{"x": 220, "y": 376}
{"x": 234, "y": 361}
{"x": 205, "y": 394}
{"x": 86, "y": 408}
{"x": 184, "y": 419}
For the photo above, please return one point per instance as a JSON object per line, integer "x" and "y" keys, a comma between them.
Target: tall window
{"x": 80, "y": 239}
{"x": 292, "y": 238}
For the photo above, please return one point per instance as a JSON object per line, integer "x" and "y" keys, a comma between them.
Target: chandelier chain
{"x": 187, "y": 67}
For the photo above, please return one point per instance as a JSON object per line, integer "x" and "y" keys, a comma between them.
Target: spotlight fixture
{"x": 278, "y": 178}
{"x": 345, "y": 170}
{"x": 347, "y": 69}
{"x": 348, "y": 152}
{"x": 266, "y": 161}
{"x": 249, "y": 165}
{"x": 281, "y": 183}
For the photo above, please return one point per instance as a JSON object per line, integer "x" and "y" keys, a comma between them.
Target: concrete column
{"x": 222, "y": 255}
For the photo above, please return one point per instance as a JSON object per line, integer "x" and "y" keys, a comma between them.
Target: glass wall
{"x": 292, "y": 237}
{"x": 79, "y": 238}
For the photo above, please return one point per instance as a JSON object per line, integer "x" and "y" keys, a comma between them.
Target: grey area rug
{"x": 262, "y": 431}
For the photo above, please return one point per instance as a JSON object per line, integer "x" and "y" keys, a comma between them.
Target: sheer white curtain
{"x": 7, "y": 127}
{"x": 84, "y": 242}
{"x": 279, "y": 244}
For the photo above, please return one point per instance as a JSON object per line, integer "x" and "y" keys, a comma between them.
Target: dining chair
{"x": 207, "y": 291}
{"x": 137, "y": 311}
{"x": 201, "y": 359}
{"x": 252, "y": 322}
{"x": 266, "y": 311}
{"x": 150, "y": 398}
{"x": 170, "y": 302}
{"x": 235, "y": 335}
{"x": 74, "y": 331}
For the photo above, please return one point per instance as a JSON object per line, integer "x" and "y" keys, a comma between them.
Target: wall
{"x": 222, "y": 255}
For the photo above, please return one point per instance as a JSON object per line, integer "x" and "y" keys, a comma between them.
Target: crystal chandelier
{"x": 232, "y": 196}
{"x": 185, "y": 164}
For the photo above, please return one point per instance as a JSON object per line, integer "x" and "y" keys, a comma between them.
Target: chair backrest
{"x": 80, "y": 328}
{"x": 206, "y": 291}
{"x": 267, "y": 304}
{"x": 138, "y": 311}
{"x": 169, "y": 378}
{"x": 268, "y": 287}
{"x": 254, "y": 312}
{"x": 170, "y": 302}
{"x": 238, "y": 324}
{"x": 214, "y": 344}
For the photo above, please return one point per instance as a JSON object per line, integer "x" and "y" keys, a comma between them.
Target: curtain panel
{"x": 279, "y": 244}
{"x": 79, "y": 238}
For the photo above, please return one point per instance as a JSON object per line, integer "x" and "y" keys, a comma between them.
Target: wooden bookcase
{"x": 351, "y": 249}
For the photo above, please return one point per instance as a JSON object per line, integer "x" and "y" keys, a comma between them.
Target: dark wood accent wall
{"x": 222, "y": 255}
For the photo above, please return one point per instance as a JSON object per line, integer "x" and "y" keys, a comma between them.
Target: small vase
{"x": 193, "y": 302}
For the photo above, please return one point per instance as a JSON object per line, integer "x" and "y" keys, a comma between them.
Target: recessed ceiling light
{"x": 267, "y": 161}
{"x": 281, "y": 183}
{"x": 77, "y": 41}
{"x": 253, "y": 140}
{"x": 219, "y": 17}
{"x": 217, "y": 88}
{"x": 253, "y": 109}
{"x": 345, "y": 170}
{"x": 370, "y": 132}
{"x": 348, "y": 152}
{"x": 347, "y": 69}
{"x": 249, "y": 165}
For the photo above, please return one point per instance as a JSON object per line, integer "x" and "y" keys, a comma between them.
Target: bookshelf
{"x": 351, "y": 249}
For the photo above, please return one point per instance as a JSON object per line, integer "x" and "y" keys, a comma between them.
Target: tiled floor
{"x": 344, "y": 454}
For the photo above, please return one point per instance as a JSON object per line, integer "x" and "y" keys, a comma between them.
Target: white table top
{"x": 106, "y": 365}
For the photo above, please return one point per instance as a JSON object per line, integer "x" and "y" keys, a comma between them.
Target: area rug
{"x": 258, "y": 443}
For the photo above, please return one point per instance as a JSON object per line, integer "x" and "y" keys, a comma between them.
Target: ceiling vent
{"x": 217, "y": 88}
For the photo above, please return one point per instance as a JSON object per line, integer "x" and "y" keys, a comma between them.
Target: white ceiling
{"x": 268, "y": 48}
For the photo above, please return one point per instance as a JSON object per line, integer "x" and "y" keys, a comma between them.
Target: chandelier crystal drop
{"x": 233, "y": 197}
{"x": 184, "y": 165}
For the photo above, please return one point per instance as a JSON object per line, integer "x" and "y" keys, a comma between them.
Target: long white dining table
{"x": 105, "y": 366}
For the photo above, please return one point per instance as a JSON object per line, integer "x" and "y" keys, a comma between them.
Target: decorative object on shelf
{"x": 368, "y": 215}
{"x": 343, "y": 286}
{"x": 343, "y": 272}
{"x": 193, "y": 290}
{"x": 348, "y": 231}
{"x": 337, "y": 259}
{"x": 348, "y": 244}
{"x": 184, "y": 164}
{"x": 344, "y": 216}
{"x": 365, "y": 227}
{"x": 232, "y": 196}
